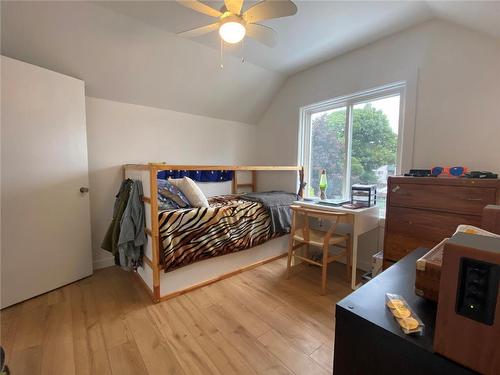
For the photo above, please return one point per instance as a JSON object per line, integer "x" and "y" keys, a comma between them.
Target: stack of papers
{"x": 333, "y": 202}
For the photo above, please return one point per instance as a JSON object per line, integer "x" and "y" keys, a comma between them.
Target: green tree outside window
{"x": 374, "y": 145}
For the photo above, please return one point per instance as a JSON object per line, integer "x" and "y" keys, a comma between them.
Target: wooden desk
{"x": 361, "y": 221}
{"x": 369, "y": 341}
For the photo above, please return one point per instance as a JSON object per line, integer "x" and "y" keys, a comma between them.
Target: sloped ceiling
{"x": 128, "y": 51}
{"x": 123, "y": 59}
{"x": 482, "y": 16}
{"x": 320, "y": 30}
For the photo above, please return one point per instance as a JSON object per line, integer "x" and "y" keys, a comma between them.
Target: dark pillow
{"x": 169, "y": 195}
{"x": 166, "y": 204}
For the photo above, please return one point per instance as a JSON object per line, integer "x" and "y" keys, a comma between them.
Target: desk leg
{"x": 354, "y": 260}
{"x": 355, "y": 234}
{"x": 361, "y": 224}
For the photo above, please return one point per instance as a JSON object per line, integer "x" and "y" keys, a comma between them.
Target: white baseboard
{"x": 104, "y": 262}
{"x": 110, "y": 261}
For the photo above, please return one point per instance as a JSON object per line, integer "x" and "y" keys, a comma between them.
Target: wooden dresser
{"x": 421, "y": 211}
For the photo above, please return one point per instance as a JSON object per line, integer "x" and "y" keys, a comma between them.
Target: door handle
{"x": 84, "y": 189}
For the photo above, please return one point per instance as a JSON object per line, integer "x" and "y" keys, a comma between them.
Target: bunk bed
{"x": 166, "y": 272}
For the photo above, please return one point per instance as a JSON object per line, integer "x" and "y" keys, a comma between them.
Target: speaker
{"x": 468, "y": 315}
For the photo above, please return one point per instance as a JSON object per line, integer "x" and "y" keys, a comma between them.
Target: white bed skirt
{"x": 209, "y": 270}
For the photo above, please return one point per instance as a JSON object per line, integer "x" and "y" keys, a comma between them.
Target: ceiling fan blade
{"x": 200, "y": 7}
{"x": 262, "y": 33}
{"x": 270, "y": 9}
{"x": 234, "y": 6}
{"x": 199, "y": 30}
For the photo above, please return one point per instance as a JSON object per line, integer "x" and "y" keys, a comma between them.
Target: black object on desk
{"x": 368, "y": 340}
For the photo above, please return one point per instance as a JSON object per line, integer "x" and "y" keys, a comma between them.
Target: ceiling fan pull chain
{"x": 243, "y": 51}
{"x": 221, "y": 54}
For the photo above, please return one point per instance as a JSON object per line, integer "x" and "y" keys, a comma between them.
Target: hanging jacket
{"x": 132, "y": 236}
{"x": 110, "y": 241}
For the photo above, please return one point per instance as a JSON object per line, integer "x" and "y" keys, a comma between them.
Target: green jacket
{"x": 110, "y": 241}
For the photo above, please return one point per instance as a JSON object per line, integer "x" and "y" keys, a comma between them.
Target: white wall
{"x": 458, "y": 117}
{"x": 451, "y": 116}
{"x": 120, "y": 133}
{"x": 452, "y": 113}
{"x": 121, "y": 58}
{"x": 453, "y": 77}
{"x": 392, "y": 59}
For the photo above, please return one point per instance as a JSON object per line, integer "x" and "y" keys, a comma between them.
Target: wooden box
{"x": 428, "y": 274}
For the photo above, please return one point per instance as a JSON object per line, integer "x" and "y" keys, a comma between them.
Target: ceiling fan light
{"x": 232, "y": 32}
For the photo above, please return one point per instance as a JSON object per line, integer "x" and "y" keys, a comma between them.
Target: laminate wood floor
{"x": 254, "y": 323}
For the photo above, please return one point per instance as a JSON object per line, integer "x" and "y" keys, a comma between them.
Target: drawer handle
{"x": 475, "y": 199}
{"x": 396, "y": 188}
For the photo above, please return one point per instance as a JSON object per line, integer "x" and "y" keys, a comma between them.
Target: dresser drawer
{"x": 409, "y": 228}
{"x": 397, "y": 245}
{"x": 458, "y": 199}
{"x": 426, "y": 224}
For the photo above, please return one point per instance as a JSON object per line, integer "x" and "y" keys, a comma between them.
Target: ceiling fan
{"x": 233, "y": 25}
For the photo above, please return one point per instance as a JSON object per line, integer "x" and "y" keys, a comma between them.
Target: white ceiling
{"x": 123, "y": 59}
{"x": 320, "y": 29}
{"x": 127, "y": 50}
{"x": 482, "y": 16}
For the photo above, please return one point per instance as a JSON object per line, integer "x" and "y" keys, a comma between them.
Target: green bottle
{"x": 323, "y": 184}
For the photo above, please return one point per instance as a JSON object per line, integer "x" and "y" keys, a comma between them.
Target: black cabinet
{"x": 369, "y": 341}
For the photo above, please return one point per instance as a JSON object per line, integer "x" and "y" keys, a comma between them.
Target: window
{"x": 355, "y": 139}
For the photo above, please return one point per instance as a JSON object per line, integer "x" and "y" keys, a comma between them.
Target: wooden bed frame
{"x": 192, "y": 276}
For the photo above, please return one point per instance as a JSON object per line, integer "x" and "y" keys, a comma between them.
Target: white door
{"x": 45, "y": 235}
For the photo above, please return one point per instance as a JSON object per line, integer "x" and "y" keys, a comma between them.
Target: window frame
{"x": 349, "y": 101}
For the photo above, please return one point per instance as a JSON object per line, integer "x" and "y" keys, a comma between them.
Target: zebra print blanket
{"x": 230, "y": 224}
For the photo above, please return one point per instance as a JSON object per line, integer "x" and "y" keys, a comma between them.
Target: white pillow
{"x": 192, "y": 192}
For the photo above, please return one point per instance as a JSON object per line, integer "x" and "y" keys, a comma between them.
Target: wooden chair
{"x": 302, "y": 235}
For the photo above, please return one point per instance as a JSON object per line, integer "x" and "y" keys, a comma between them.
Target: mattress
{"x": 230, "y": 224}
